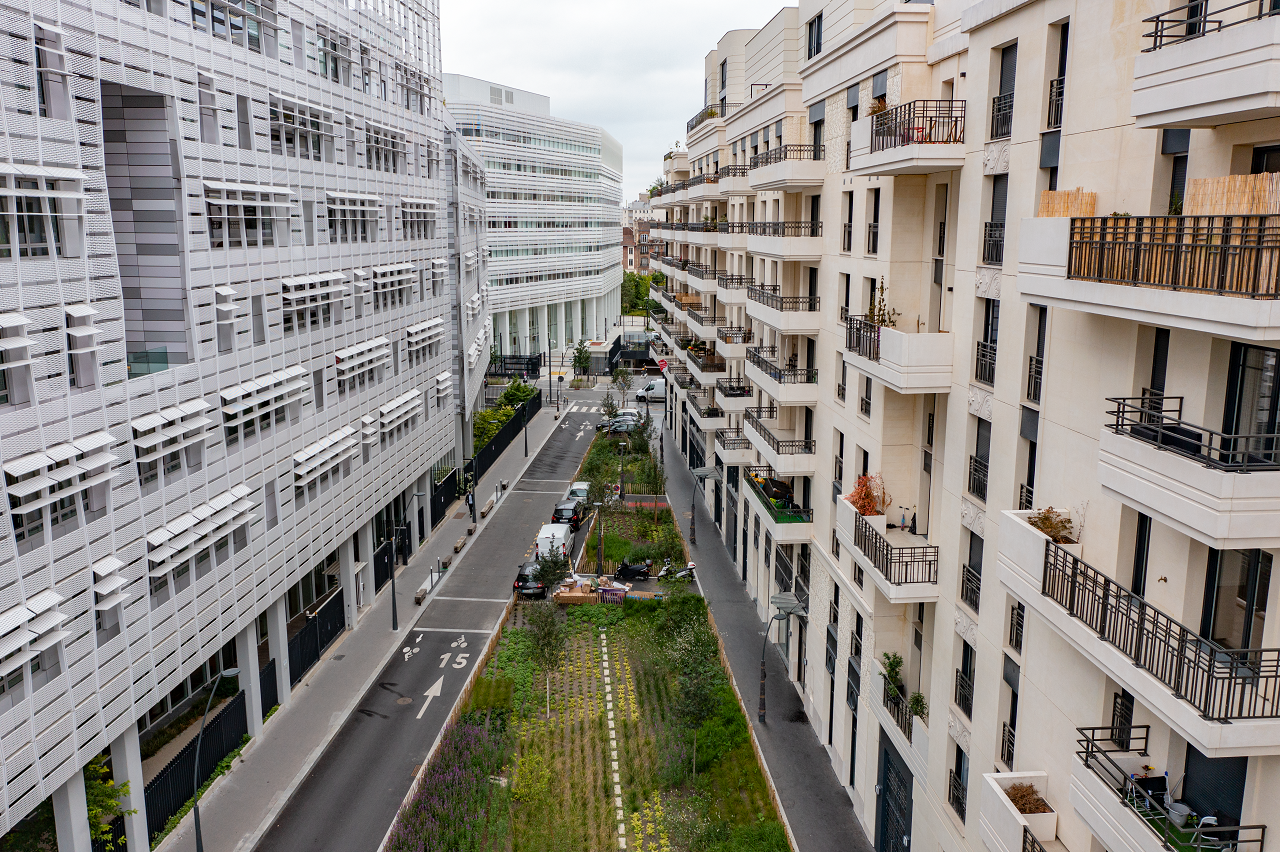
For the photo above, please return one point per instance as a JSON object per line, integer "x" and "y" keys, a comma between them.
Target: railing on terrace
{"x": 1157, "y": 420}
{"x": 964, "y": 693}
{"x": 918, "y": 122}
{"x": 1035, "y": 377}
{"x": 734, "y": 282}
{"x": 781, "y": 446}
{"x": 785, "y": 229}
{"x": 978, "y": 477}
{"x": 1222, "y": 683}
{"x": 770, "y": 298}
{"x": 708, "y": 362}
{"x": 898, "y": 710}
{"x": 985, "y": 363}
{"x": 734, "y": 171}
{"x": 898, "y": 565}
{"x": 1008, "y": 740}
{"x": 862, "y": 337}
{"x": 1057, "y": 94}
{"x": 1097, "y": 745}
{"x": 733, "y": 227}
{"x": 782, "y": 509}
{"x": 1029, "y": 841}
{"x": 703, "y": 404}
{"x": 789, "y": 152}
{"x": 701, "y": 316}
{"x": 1002, "y": 116}
{"x": 733, "y": 439}
{"x": 1195, "y": 19}
{"x": 735, "y": 334}
{"x": 971, "y": 587}
{"x": 1223, "y": 255}
{"x": 682, "y": 341}
{"x": 760, "y": 355}
{"x": 683, "y": 378}
{"x": 734, "y": 388}
{"x": 709, "y": 112}
{"x": 701, "y": 271}
{"x": 993, "y": 243}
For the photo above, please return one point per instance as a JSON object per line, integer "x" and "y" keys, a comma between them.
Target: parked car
{"x": 578, "y": 491}
{"x": 568, "y": 512}
{"x": 623, "y": 426}
{"x": 553, "y": 538}
{"x": 656, "y": 389}
{"x": 609, "y": 424}
{"x": 526, "y": 584}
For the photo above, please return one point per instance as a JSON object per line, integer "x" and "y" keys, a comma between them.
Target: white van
{"x": 554, "y": 538}
{"x": 656, "y": 389}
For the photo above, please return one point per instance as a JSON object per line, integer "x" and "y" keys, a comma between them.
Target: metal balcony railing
{"x": 1057, "y": 92}
{"x": 993, "y": 243}
{"x": 735, "y": 334}
{"x": 873, "y": 238}
{"x": 1035, "y": 377}
{"x": 862, "y": 338}
{"x": 846, "y": 244}
{"x": 701, "y": 271}
{"x": 1097, "y": 745}
{"x": 732, "y": 439}
{"x": 785, "y": 229}
{"x": 703, "y": 316}
{"x": 707, "y": 362}
{"x": 985, "y": 365}
{"x": 780, "y": 507}
{"x": 682, "y": 377}
{"x": 733, "y": 171}
{"x": 709, "y": 112}
{"x": 1008, "y": 740}
{"x": 898, "y": 710}
{"x": 1026, "y": 497}
{"x": 971, "y": 587}
{"x": 1002, "y": 116}
{"x": 733, "y": 227}
{"x": 918, "y": 122}
{"x": 734, "y": 388}
{"x": 770, "y": 298}
{"x": 840, "y": 392}
{"x": 978, "y": 477}
{"x": 1222, "y": 255}
{"x": 1029, "y": 841}
{"x": 1157, "y": 420}
{"x": 1221, "y": 683}
{"x": 864, "y": 405}
{"x": 898, "y": 565}
{"x": 964, "y": 693}
{"x": 781, "y": 446}
{"x": 1017, "y": 621}
{"x": 782, "y": 375}
{"x": 789, "y": 152}
{"x": 734, "y": 282}
{"x": 957, "y": 795}
{"x": 1196, "y": 19}
{"x": 704, "y": 405}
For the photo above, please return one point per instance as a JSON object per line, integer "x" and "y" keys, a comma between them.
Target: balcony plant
{"x": 919, "y": 706}
{"x": 892, "y": 673}
{"x": 869, "y": 496}
{"x": 1056, "y": 525}
{"x": 880, "y": 313}
{"x": 1027, "y": 799}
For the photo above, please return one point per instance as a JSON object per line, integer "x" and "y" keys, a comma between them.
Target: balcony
{"x": 978, "y": 478}
{"x": 703, "y": 322}
{"x": 674, "y": 163}
{"x": 1123, "y": 804}
{"x": 897, "y": 708}
{"x": 1207, "y": 64}
{"x": 733, "y": 340}
{"x": 1008, "y": 745}
{"x": 964, "y": 693}
{"x": 1057, "y": 96}
{"x": 1002, "y": 827}
{"x": 706, "y": 413}
{"x": 734, "y": 180}
{"x": 1001, "y": 116}
{"x": 993, "y": 244}
{"x": 787, "y": 385}
{"x": 984, "y": 364}
{"x": 788, "y": 167}
{"x": 1190, "y": 477}
{"x": 734, "y": 393}
{"x": 794, "y": 241}
{"x": 786, "y": 520}
{"x": 903, "y": 566}
{"x": 1214, "y": 274}
{"x": 704, "y": 365}
{"x": 917, "y": 138}
{"x": 1035, "y": 377}
{"x": 971, "y": 587}
{"x": 787, "y": 314}
{"x": 732, "y": 289}
{"x": 682, "y": 377}
{"x": 957, "y": 794}
{"x": 904, "y": 363}
{"x": 701, "y": 234}
{"x": 1192, "y": 683}
{"x": 732, "y": 235}
{"x": 734, "y": 448}
{"x": 787, "y": 456}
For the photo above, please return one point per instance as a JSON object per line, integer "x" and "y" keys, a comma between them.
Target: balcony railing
{"x": 733, "y": 171}
{"x": 1017, "y": 620}
{"x": 862, "y": 338}
{"x": 918, "y": 122}
{"x": 898, "y": 710}
{"x": 703, "y": 316}
{"x": 709, "y": 112}
{"x": 993, "y": 243}
{"x": 1057, "y": 92}
{"x": 846, "y": 245}
{"x": 732, "y": 439}
{"x": 873, "y": 238}
{"x": 1223, "y": 255}
{"x": 985, "y": 366}
{"x": 781, "y": 508}
{"x": 978, "y": 477}
{"x": 1002, "y": 116}
{"x": 699, "y": 180}
{"x": 701, "y": 271}
{"x": 1026, "y": 497}
{"x": 971, "y": 586}
{"x": 734, "y": 388}
{"x": 1029, "y": 841}
{"x": 733, "y": 227}
{"x": 957, "y": 795}
{"x": 735, "y": 334}
{"x": 1097, "y": 745}
{"x": 1196, "y": 19}
{"x": 1035, "y": 377}
{"x": 964, "y": 693}
{"x": 785, "y": 229}
{"x": 734, "y": 282}
{"x": 1157, "y": 420}
{"x": 1008, "y": 740}
{"x": 789, "y": 152}
{"x": 864, "y": 405}
{"x": 770, "y": 298}
{"x": 781, "y": 446}
{"x": 683, "y": 378}
{"x": 759, "y": 356}
{"x": 707, "y": 362}
{"x": 898, "y": 565}
{"x": 704, "y": 404}
{"x": 840, "y": 392}
{"x": 1222, "y": 683}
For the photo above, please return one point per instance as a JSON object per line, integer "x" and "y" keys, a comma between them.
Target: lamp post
{"x": 195, "y": 808}
{"x": 417, "y": 496}
{"x": 787, "y": 605}
{"x": 599, "y": 541}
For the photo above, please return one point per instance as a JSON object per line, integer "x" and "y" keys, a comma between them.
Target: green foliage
{"x": 532, "y": 778}
{"x": 650, "y": 477}
{"x": 581, "y": 357}
{"x": 760, "y": 836}
{"x": 222, "y": 768}
{"x": 513, "y": 660}
{"x": 697, "y": 695}
{"x": 616, "y": 547}
{"x": 546, "y": 634}
{"x": 659, "y": 277}
{"x": 485, "y": 424}
{"x": 552, "y": 568}
{"x": 517, "y": 393}
{"x": 38, "y": 832}
{"x": 892, "y": 671}
{"x": 621, "y": 382}
{"x": 918, "y": 705}
{"x": 609, "y": 405}
{"x": 491, "y": 693}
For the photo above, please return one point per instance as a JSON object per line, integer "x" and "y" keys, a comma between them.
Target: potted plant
{"x": 870, "y": 500}
{"x": 1035, "y": 811}
{"x": 1058, "y": 527}
{"x": 892, "y": 674}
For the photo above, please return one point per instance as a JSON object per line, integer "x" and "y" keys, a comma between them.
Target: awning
{"x": 227, "y": 186}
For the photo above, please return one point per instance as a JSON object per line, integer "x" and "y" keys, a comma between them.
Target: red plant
{"x": 869, "y": 496}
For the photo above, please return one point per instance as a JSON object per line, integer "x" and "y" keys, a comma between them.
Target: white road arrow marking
{"x": 433, "y": 692}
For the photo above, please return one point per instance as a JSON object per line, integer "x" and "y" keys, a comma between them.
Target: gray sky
{"x": 633, "y": 68}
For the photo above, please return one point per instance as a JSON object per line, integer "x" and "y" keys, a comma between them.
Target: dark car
{"x": 623, "y": 426}
{"x": 526, "y": 584}
{"x": 567, "y": 513}
{"x": 611, "y": 422}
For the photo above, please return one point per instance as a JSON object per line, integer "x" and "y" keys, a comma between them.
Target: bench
{"x": 459, "y": 544}
{"x": 488, "y": 507}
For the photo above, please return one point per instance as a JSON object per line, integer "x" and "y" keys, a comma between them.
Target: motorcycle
{"x": 685, "y": 573}
{"x": 638, "y": 571}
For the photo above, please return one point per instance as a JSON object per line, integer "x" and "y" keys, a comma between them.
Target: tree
{"x": 548, "y": 636}
{"x": 622, "y": 382}
{"x": 552, "y": 568}
{"x": 659, "y": 277}
{"x": 609, "y": 405}
{"x": 37, "y": 832}
{"x": 581, "y": 358}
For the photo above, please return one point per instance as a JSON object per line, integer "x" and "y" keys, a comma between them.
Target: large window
{"x": 353, "y": 218}
{"x": 815, "y": 36}
{"x": 246, "y": 215}
{"x": 244, "y": 23}
{"x": 384, "y": 150}
{"x": 302, "y": 131}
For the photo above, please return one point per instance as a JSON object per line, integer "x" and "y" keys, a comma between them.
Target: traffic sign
{"x": 662, "y": 365}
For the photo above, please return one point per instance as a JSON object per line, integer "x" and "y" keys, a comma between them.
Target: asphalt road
{"x": 350, "y": 798}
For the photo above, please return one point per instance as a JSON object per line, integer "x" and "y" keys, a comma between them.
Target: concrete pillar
{"x": 347, "y": 577}
{"x": 364, "y": 577}
{"x": 593, "y": 319}
{"x": 126, "y": 766}
{"x": 278, "y": 644}
{"x": 522, "y": 330}
{"x": 71, "y": 815}
{"x": 250, "y": 681}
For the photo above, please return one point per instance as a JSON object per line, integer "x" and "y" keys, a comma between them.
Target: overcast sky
{"x": 633, "y": 68}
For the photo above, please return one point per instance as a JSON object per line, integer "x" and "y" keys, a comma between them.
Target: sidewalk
{"x": 816, "y": 805}
{"x": 241, "y": 805}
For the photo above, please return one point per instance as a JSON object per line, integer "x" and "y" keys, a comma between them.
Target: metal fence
{"x": 898, "y": 565}
{"x": 489, "y": 453}
{"x": 1157, "y": 419}
{"x": 270, "y": 687}
{"x": 918, "y": 122}
{"x": 442, "y": 497}
{"x": 318, "y": 633}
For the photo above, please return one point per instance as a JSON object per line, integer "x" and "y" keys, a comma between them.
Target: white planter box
{"x": 1000, "y": 824}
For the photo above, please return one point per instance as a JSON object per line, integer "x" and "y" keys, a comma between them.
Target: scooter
{"x": 685, "y": 573}
{"x": 638, "y": 571}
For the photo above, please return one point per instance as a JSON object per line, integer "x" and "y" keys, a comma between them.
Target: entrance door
{"x": 893, "y": 822}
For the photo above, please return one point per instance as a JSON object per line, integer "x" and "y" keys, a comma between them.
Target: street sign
{"x": 662, "y": 365}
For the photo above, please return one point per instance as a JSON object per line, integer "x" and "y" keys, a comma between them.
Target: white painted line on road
{"x": 531, "y": 479}
{"x": 522, "y": 491}
{"x": 478, "y": 600}
{"x": 452, "y": 629}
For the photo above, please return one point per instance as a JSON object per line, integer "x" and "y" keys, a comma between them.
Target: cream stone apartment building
{"x": 1005, "y": 255}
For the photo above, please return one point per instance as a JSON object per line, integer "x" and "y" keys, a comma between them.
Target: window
{"x": 300, "y": 130}
{"x": 51, "y": 74}
{"x": 208, "y": 111}
{"x": 353, "y": 218}
{"x": 322, "y": 463}
{"x": 724, "y": 74}
{"x": 361, "y": 365}
{"x": 245, "y": 215}
{"x": 64, "y": 480}
{"x": 174, "y": 436}
{"x": 392, "y": 285}
{"x": 418, "y": 218}
{"x": 815, "y": 36}
{"x": 271, "y": 505}
{"x": 81, "y": 346}
{"x": 244, "y": 123}
{"x": 384, "y": 150}
{"x": 267, "y": 400}
{"x": 244, "y": 23}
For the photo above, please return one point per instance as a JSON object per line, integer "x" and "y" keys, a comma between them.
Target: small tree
{"x": 609, "y": 405}
{"x": 581, "y": 358}
{"x": 548, "y": 636}
{"x": 659, "y": 278}
{"x": 552, "y": 568}
{"x": 621, "y": 382}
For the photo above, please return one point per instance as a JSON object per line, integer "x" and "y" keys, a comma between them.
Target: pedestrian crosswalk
{"x": 584, "y": 409}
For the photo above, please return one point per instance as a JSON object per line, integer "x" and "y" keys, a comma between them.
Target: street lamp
{"x": 196, "y": 773}
{"x": 700, "y": 475}
{"x": 417, "y": 496}
{"x": 599, "y": 541}
{"x": 787, "y": 605}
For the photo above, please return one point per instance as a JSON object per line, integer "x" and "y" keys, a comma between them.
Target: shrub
{"x": 517, "y": 393}
{"x": 1056, "y": 525}
{"x": 1027, "y": 799}
{"x": 918, "y": 705}
{"x": 869, "y": 496}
